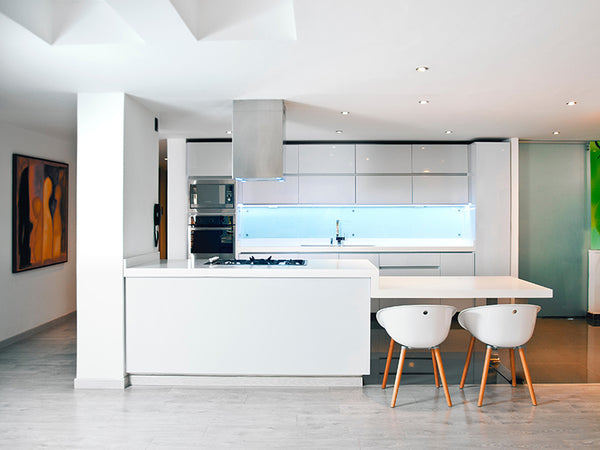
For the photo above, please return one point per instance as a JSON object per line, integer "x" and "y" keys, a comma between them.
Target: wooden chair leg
{"x": 486, "y": 368}
{"x": 398, "y": 374}
{"x": 527, "y": 376}
{"x": 513, "y": 372}
{"x": 435, "y": 369}
{"x": 467, "y": 362}
{"x": 438, "y": 357}
{"x": 387, "y": 364}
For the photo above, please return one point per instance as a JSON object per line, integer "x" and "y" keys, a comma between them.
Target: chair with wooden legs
{"x": 499, "y": 326}
{"x": 417, "y": 327}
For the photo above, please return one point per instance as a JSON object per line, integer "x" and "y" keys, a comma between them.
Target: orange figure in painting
{"x": 36, "y": 232}
{"x": 57, "y": 224}
{"x": 47, "y": 221}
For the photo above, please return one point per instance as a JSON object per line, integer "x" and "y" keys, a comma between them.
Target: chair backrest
{"x": 417, "y": 326}
{"x": 500, "y": 325}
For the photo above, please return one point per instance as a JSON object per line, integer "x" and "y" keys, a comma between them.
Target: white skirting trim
{"x": 101, "y": 383}
{"x": 249, "y": 381}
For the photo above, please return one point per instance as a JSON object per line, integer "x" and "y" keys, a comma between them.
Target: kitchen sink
{"x": 336, "y": 245}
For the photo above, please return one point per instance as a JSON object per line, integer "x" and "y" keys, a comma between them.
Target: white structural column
{"x": 113, "y": 132}
{"x": 177, "y": 199}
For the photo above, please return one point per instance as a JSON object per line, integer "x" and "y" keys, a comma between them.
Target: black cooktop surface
{"x": 258, "y": 262}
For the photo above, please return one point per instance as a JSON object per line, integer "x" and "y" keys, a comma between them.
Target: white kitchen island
{"x": 190, "y": 323}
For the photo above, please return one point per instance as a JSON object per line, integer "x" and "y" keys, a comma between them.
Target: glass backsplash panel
{"x": 358, "y": 222}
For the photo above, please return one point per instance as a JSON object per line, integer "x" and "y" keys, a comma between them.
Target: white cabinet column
{"x": 490, "y": 168}
{"x": 115, "y": 220}
{"x": 177, "y": 198}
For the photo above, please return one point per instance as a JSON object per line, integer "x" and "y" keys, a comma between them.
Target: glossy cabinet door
{"x": 209, "y": 159}
{"x": 383, "y": 189}
{"x": 431, "y": 260}
{"x": 326, "y": 158}
{"x": 290, "y": 159}
{"x": 270, "y": 192}
{"x": 383, "y": 158}
{"x": 440, "y": 158}
{"x": 439, "y": 189}
{"x": 458, "y": 264}
{"x": 326, "y": 190}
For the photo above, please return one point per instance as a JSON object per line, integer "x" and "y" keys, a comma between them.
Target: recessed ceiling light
{"x": 448, "y": 131}
{"x": 556, "y": 132}
{"x": 423, "y": 102}
{"x": 345, "y": 113}
{"x": 228, "y": 132}
{"x": 339, "y": 131}
{"x": 422, "y": 69}
{"x": 571, "y": 103}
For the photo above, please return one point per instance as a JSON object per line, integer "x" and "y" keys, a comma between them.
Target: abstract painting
{"x": 40, "y": 212}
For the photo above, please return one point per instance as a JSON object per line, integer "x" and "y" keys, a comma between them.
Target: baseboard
{"x": 101, "y": 383}
{"x": 593, "y": 319}
{"x": 36, "y": 330}
{"x": 244, "y": 381}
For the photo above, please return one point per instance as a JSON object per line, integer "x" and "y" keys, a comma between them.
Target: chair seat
{"x": 499, "y": 326}
{"x": 417, "y": 326}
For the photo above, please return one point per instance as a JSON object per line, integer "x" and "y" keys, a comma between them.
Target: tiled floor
{"x": 560, "y": 351}
{"x": 40, "y": 409}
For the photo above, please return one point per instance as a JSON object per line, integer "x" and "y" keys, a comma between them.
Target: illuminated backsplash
{"x": 356, "y": 222}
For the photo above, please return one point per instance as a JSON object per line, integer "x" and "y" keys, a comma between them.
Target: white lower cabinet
{"x": 400, "y": 264}
{"x": 326, "y": 189}
{"x": 425, "y": 264}
{"x": 457, "y": 264}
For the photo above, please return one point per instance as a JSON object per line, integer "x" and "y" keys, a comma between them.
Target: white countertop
{"x": 321, "y": 268}
{"x": 457, "y": 287}
{"x": 354, "y": 245}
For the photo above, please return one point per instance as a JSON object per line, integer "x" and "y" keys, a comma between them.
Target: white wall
{"x": 140, "y": 179}
{"x": 34, "y": 297}
{"x": 177, "y": 196}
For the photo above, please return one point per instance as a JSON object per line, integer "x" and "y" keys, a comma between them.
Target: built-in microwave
{"x": 211, "y": 194}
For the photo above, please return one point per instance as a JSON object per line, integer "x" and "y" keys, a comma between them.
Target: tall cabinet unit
{"x": 490, "y": 193}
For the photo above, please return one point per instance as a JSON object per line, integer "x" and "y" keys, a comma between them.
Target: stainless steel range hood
{"x": 258, "y": 134}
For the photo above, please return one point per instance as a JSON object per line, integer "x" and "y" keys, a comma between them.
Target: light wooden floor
{"x": 39, "y": 408}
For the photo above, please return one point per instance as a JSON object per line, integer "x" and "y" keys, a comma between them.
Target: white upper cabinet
{"x": 441, "y": 189}
{"x": 290, "y": 159}
{"x": 326, "y": 158}
{"x": 326, "y": 190}
{"x": 383, "y": 189}
{"x": 209, "y": 159}
{"x": 270, "y": 192}
{"x": 383, "y": 158}
{"x": 440, "y": 158}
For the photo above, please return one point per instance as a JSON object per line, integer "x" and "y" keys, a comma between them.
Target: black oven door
{"x": 212, "y": 241}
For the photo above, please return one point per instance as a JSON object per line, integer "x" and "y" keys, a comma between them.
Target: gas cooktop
{"x": 257, "y": 262}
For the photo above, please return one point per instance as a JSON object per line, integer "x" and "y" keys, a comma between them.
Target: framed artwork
{"x": 40, "y": 213}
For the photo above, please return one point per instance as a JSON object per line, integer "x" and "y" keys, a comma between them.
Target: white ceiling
{"x": 497, "y": 69}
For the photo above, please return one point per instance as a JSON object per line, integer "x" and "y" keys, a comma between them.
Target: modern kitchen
{"x": 283, "y": 233}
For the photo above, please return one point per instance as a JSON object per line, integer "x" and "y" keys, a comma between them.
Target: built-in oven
{"x": 214, "y": 195}
{"x": 212, "y": 235}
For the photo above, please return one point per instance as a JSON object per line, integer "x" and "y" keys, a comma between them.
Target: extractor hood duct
{"x": 258, "y": 134}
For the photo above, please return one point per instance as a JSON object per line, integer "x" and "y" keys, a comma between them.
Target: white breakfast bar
{"x": 192, "y": 323}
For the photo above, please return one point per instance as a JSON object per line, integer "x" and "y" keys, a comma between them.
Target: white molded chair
{"x": 420, "y": 327}
{"x": 499, "y": 326}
